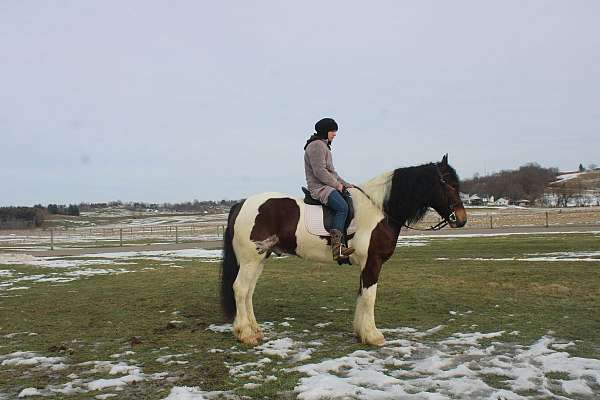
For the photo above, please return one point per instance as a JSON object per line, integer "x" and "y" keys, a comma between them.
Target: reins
{"x": 435, "y": 227}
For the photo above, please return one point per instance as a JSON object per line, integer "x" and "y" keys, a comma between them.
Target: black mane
{"x": 412, "y": 190}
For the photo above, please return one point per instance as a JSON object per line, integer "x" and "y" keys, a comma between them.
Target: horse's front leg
{"x": 364, "y": 316}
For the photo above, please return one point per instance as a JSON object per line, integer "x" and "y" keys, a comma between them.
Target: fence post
{"x": 491, "y": 222}
{"x": 51, "y": 239}
{"x": 121, "y": 237}
{"x": 546, "y": 219}
{"x": 176, "y": 235}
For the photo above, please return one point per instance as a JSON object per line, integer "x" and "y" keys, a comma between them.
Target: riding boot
{"x": 338, "y": 249}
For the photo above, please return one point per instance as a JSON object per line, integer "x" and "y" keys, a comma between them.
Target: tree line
{"x": 33, "y": 217}
{"x": 527, "y": 182}
{"x": 61, "y": 209}
{"x": 192, "y": 206}
{"x": 22, "y": 217}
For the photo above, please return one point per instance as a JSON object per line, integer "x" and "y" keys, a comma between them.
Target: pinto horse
{"x": 273, "y": 222}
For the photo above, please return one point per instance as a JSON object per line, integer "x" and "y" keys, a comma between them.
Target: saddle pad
{"x": 313, "y": 220}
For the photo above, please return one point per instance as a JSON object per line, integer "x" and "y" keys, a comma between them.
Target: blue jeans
{"x": 336, "y": 202}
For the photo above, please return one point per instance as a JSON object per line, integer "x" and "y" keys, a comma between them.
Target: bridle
{"x": 441, "y": 224}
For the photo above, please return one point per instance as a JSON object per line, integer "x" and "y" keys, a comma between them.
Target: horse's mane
{"x": 405, "y": 193}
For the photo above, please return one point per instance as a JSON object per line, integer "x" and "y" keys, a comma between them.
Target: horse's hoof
{"x": 380, "y": 341}
{"x": 375, "y": 339}
{"x": 252, "y": 340}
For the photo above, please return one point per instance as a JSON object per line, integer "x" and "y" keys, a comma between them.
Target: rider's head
{"x": 326, "y": 128}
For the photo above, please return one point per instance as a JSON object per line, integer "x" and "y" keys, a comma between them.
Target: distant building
{"x": 464, "y": 197}
{"x": 502, "y": 202}
{"x": 475, "y": 200}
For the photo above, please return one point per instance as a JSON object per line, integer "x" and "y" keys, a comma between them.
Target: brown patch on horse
{"x": 381, "y": 247}
{"x": 277, "y": 217}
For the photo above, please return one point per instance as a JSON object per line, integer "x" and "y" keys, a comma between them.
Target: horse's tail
{"x": 230, "y": 266}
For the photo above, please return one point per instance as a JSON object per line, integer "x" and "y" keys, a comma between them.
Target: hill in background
{"x": 574, "y": 189}
{"x": 527, "y": 182}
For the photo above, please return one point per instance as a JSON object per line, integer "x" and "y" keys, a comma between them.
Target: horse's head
{"x": 446, "y": 196}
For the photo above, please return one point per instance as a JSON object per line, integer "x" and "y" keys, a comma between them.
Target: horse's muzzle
{"x": 458, "y": 218}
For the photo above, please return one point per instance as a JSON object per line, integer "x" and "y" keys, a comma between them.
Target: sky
{"x": 167, "y": 101}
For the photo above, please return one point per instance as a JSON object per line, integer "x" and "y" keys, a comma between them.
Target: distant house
{"x": 502, "y": 202}
{"x": 475, "y": 200}
{"x": 464, "y": 197}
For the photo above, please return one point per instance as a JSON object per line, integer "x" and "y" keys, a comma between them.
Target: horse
{"x": 269, "y": 223}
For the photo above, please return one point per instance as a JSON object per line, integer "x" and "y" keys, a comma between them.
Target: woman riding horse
{"x": 324, "y": 183}
{"x": 274, "y": 223}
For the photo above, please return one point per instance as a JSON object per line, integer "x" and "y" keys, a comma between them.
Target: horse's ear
{"x": 444, "y": 162}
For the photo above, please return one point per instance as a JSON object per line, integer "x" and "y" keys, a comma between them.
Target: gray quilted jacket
{"x": 320, "y": 173}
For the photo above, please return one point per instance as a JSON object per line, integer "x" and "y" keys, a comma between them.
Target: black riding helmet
{"x": 325, "y": 125}
{"x": 322, "y": 127}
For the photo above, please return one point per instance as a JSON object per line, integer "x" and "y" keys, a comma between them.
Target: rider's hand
{"x": 349, "y": 186}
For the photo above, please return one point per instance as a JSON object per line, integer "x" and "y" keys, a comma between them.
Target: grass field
{"x": 491, "y": 318}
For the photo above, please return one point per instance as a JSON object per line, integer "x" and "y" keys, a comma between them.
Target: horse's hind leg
{"x": 250, "y": 307}
{"x": 245, "y": 327}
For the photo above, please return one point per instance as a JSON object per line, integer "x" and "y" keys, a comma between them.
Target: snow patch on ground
{"x": 191, "y": 393}
{"x": 31, "y": 359}
{"x": 162, "y": 255}
{"x": 411, "y": 241}
{"x": 124, "y": 374}
{"x": 220, "y": 328}
{"x": 171, "y": 359}
{"x": 444, "y": 235}
{"x": 563, "y": 256}
{"x": 48, "y": 262}
{"x": 57, "y": 277}
{"x": 279, "y": 347}
{"x": 567, "y": 177}
{"x": 455, "y": 367}
{"x": 74, "y": 267}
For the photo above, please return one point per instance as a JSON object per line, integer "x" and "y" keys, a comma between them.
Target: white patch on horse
{"x": 379, "y": 188}
{"x": 263, "y": 246}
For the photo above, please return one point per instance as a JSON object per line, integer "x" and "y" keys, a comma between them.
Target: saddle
{"x": 318, "y": 216}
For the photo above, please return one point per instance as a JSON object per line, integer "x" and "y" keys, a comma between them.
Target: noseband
{"x": 451, "y": 213}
